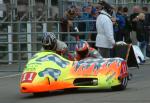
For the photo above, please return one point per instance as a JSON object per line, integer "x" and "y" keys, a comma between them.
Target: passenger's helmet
{"x": 82, "y": 49}
{"x": 49, "y": 41}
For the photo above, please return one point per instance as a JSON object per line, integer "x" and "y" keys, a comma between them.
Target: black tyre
{"x": 122, "y": 86}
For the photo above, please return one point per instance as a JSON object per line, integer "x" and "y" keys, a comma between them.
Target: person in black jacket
{"x": 141, "y": 35}
{"x": 133, "y": 20}
{"x": 127, "y": 28}
{"x": 147, "y": 29}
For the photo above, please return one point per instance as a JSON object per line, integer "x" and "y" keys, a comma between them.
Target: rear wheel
{"x": 122, "y": 86}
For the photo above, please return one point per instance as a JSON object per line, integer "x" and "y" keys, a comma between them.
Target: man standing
{"x": 147, "y": 29}
{"x": 105, "y": 34}
{"x": 134, "y": 20}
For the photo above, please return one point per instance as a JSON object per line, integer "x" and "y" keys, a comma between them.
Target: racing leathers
{"x": 93, "y": 53}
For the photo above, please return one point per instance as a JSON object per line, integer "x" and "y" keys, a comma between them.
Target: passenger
{"x": 83, "y": 50}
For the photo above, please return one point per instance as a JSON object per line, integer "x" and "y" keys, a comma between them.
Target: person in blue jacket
{"x": 119, "y": 26}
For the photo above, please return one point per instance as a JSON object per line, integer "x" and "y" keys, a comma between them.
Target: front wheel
{"x": 122, "y": 86}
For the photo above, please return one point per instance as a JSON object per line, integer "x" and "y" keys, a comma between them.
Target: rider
{"x": 50, "y": 42}
{"x": 83, "y": 50}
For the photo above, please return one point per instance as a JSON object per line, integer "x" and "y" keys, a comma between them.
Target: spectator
{"x": 147, "y": 28}
{"x": 133, "y": 20}
{"x": 115, "y": 23}
{"x": 87, "y": 8}
{"x": 121, "y": 24}
{"x": 141, "y": 37}
{"x": 67, "y": 25}
{"x": 64, "y": 24}
{"x": 105, "y": 35}
{"x": 127, "y": 28}
{"x": 78, "y": 24}
{"x": 69, "y": 17}
{"x": 92, "y": 36}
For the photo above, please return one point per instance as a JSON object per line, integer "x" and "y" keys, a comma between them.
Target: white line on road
{"x": 9, "y": 76}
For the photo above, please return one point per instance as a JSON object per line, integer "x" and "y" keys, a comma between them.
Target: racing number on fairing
{"x": 28, "y": 77}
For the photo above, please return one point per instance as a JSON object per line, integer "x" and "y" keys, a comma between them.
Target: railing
{"x": 21, "y": 39}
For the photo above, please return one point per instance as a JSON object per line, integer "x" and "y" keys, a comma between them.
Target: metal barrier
{"x": 22, "y": 39}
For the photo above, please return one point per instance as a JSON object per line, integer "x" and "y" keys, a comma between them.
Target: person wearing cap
{"x": 105, "y": 33}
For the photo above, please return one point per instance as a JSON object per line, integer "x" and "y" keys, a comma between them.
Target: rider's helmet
{"x": 82, "y": 49}
{"x": 49, "y": 41}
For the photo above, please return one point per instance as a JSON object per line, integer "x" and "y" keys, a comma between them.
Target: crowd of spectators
{"x": 83, "y": 20}
{"x": 133, "y": 27}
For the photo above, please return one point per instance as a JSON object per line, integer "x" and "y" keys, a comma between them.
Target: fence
{"x": 20, "y": 40}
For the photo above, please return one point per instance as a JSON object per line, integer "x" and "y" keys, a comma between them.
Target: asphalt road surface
{"x": 138, "y": 91}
